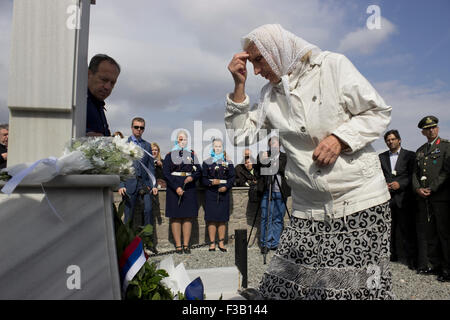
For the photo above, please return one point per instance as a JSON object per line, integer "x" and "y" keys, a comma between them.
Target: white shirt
{"x": 393, "y": 157}
{"x": 332, "y": 97}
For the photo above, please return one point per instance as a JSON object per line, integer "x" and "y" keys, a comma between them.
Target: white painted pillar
{"x": 47, "y": 78}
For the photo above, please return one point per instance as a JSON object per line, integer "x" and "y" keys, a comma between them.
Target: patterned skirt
{"x": 340, "y": 259}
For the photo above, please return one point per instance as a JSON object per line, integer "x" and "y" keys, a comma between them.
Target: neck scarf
{"x": 177, "y": 147}
{"x": 282, "y": 50}
{"x": 216, "y": 157}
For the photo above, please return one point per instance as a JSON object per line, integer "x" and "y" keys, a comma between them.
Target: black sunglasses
{"x": 138, "y": 127}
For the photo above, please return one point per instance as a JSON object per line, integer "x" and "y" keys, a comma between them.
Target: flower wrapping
{"x": 90, "y": 155}
{"x": 107, "y": 155}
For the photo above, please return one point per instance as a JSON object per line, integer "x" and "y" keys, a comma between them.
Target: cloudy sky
{"x": 174, "y": 56}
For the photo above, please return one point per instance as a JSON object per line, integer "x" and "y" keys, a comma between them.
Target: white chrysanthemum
{"x": 98, "y": 161}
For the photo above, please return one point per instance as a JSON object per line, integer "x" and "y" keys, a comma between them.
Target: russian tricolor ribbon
{"x": 131, "y": 261}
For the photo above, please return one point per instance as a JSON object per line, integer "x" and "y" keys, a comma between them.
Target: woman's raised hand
{"x": 238, "y": 69}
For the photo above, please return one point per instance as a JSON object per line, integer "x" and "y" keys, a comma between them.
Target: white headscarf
{"x": 282, "y": 50}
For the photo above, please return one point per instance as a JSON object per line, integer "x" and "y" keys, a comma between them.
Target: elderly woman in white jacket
{"x": 327, "y": 114}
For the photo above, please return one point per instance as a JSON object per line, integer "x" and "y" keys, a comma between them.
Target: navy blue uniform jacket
{"x": 217, "y": 204}
{"x": 181, "y": 161}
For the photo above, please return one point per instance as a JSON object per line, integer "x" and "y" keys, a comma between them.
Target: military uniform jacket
{"x": 433, "y": 164}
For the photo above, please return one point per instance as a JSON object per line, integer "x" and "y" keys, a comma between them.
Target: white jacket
{"x": 332, "y": 97}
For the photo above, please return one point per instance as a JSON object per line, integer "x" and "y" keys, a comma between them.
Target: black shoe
{"x": 180, "y": 251}
{"x": 411, "y": 264}
{"x": 427, "y": 271}
{"x": 393, "y": 258}
{"x": 186, "y": 249}
{"x": 251, "y": 294}
{"x": 444, "y": 277}
{"x": 220, "y": 248}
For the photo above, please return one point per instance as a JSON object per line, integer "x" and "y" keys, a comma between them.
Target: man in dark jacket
{"x": 102, "y": 76}
{"x": 397, "y": 165}
{"x": 141, "y": 185}
{"x": 271, "y": 166}
{"x": 4, "y": 129}
{"x": 431, "y": 182}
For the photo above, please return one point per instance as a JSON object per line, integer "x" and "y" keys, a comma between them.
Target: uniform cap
{"x": 428, "y": 122}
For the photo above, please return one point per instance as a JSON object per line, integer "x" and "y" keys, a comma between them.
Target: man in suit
{"x": 397, "y": 165}
{"x": 4, "y": 130}
{"x": 141, "y": 185}
{"x": 432, "y": 184}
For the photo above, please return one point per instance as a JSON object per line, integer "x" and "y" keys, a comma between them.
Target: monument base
{"x": 59, "y": 244}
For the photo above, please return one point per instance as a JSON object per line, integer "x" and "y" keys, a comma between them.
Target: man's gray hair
{"x": 4, "y": 126}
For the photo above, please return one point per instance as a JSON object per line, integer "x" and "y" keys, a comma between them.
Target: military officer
{"x": 432, "y": 185}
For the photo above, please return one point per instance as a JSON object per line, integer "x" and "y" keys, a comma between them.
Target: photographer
{"x": 271, "y": 165}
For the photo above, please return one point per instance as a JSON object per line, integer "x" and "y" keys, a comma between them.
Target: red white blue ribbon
{"x": 131, "y": 261}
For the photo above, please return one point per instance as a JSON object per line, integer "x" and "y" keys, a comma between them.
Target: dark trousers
{"x": 403, "y": 222}
{"x": 130, "y": 205}
{"x": 434, "y": 223}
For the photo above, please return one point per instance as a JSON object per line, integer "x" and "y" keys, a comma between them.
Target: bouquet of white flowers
{"x": 90, "y": 155}
{"x": 107, "y": 155}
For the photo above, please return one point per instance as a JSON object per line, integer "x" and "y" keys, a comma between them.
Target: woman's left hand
{"x": 327, "y": 151}
{"x": 222, "y": 189}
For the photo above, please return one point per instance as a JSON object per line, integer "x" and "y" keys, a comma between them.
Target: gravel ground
{"x": 407, "y": 285}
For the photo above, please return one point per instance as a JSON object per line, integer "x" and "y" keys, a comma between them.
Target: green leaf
{"x": 156, "y": 296}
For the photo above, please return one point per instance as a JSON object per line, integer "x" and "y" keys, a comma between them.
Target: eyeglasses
{"x": 138, "y": 127}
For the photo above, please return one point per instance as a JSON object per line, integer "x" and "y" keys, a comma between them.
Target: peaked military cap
{"x": 428, "y": 122}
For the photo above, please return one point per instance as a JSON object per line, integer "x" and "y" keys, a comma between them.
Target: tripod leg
{"x": 282, "y": 196}
{"x": 268, "y": 220}
{"x": 254, "y": 221}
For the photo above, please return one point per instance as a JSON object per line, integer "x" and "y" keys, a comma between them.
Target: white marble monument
{"x": 57, "y": 244}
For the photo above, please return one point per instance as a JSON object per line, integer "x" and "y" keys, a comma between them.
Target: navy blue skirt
{"x": 188, "y": 207}
{"x": 217, "y": 208}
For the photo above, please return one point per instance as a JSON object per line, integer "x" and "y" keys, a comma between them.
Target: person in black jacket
{"x": 103, "y": 72}
{"x": 271, "y": 166}
{"x": 247, "y": 176}
{"x": 398, "y": 165}
{"x": 4, "y": 129}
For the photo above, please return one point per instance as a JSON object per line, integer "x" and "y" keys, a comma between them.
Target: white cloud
{"x": 366, "y": 41}
{"x": 409, "y": 105}
{"x": 174, "y": 57}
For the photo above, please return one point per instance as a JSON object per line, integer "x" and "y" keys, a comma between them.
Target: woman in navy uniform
{"x": 181, "y": 170}
{"x": 218, "y": 178}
